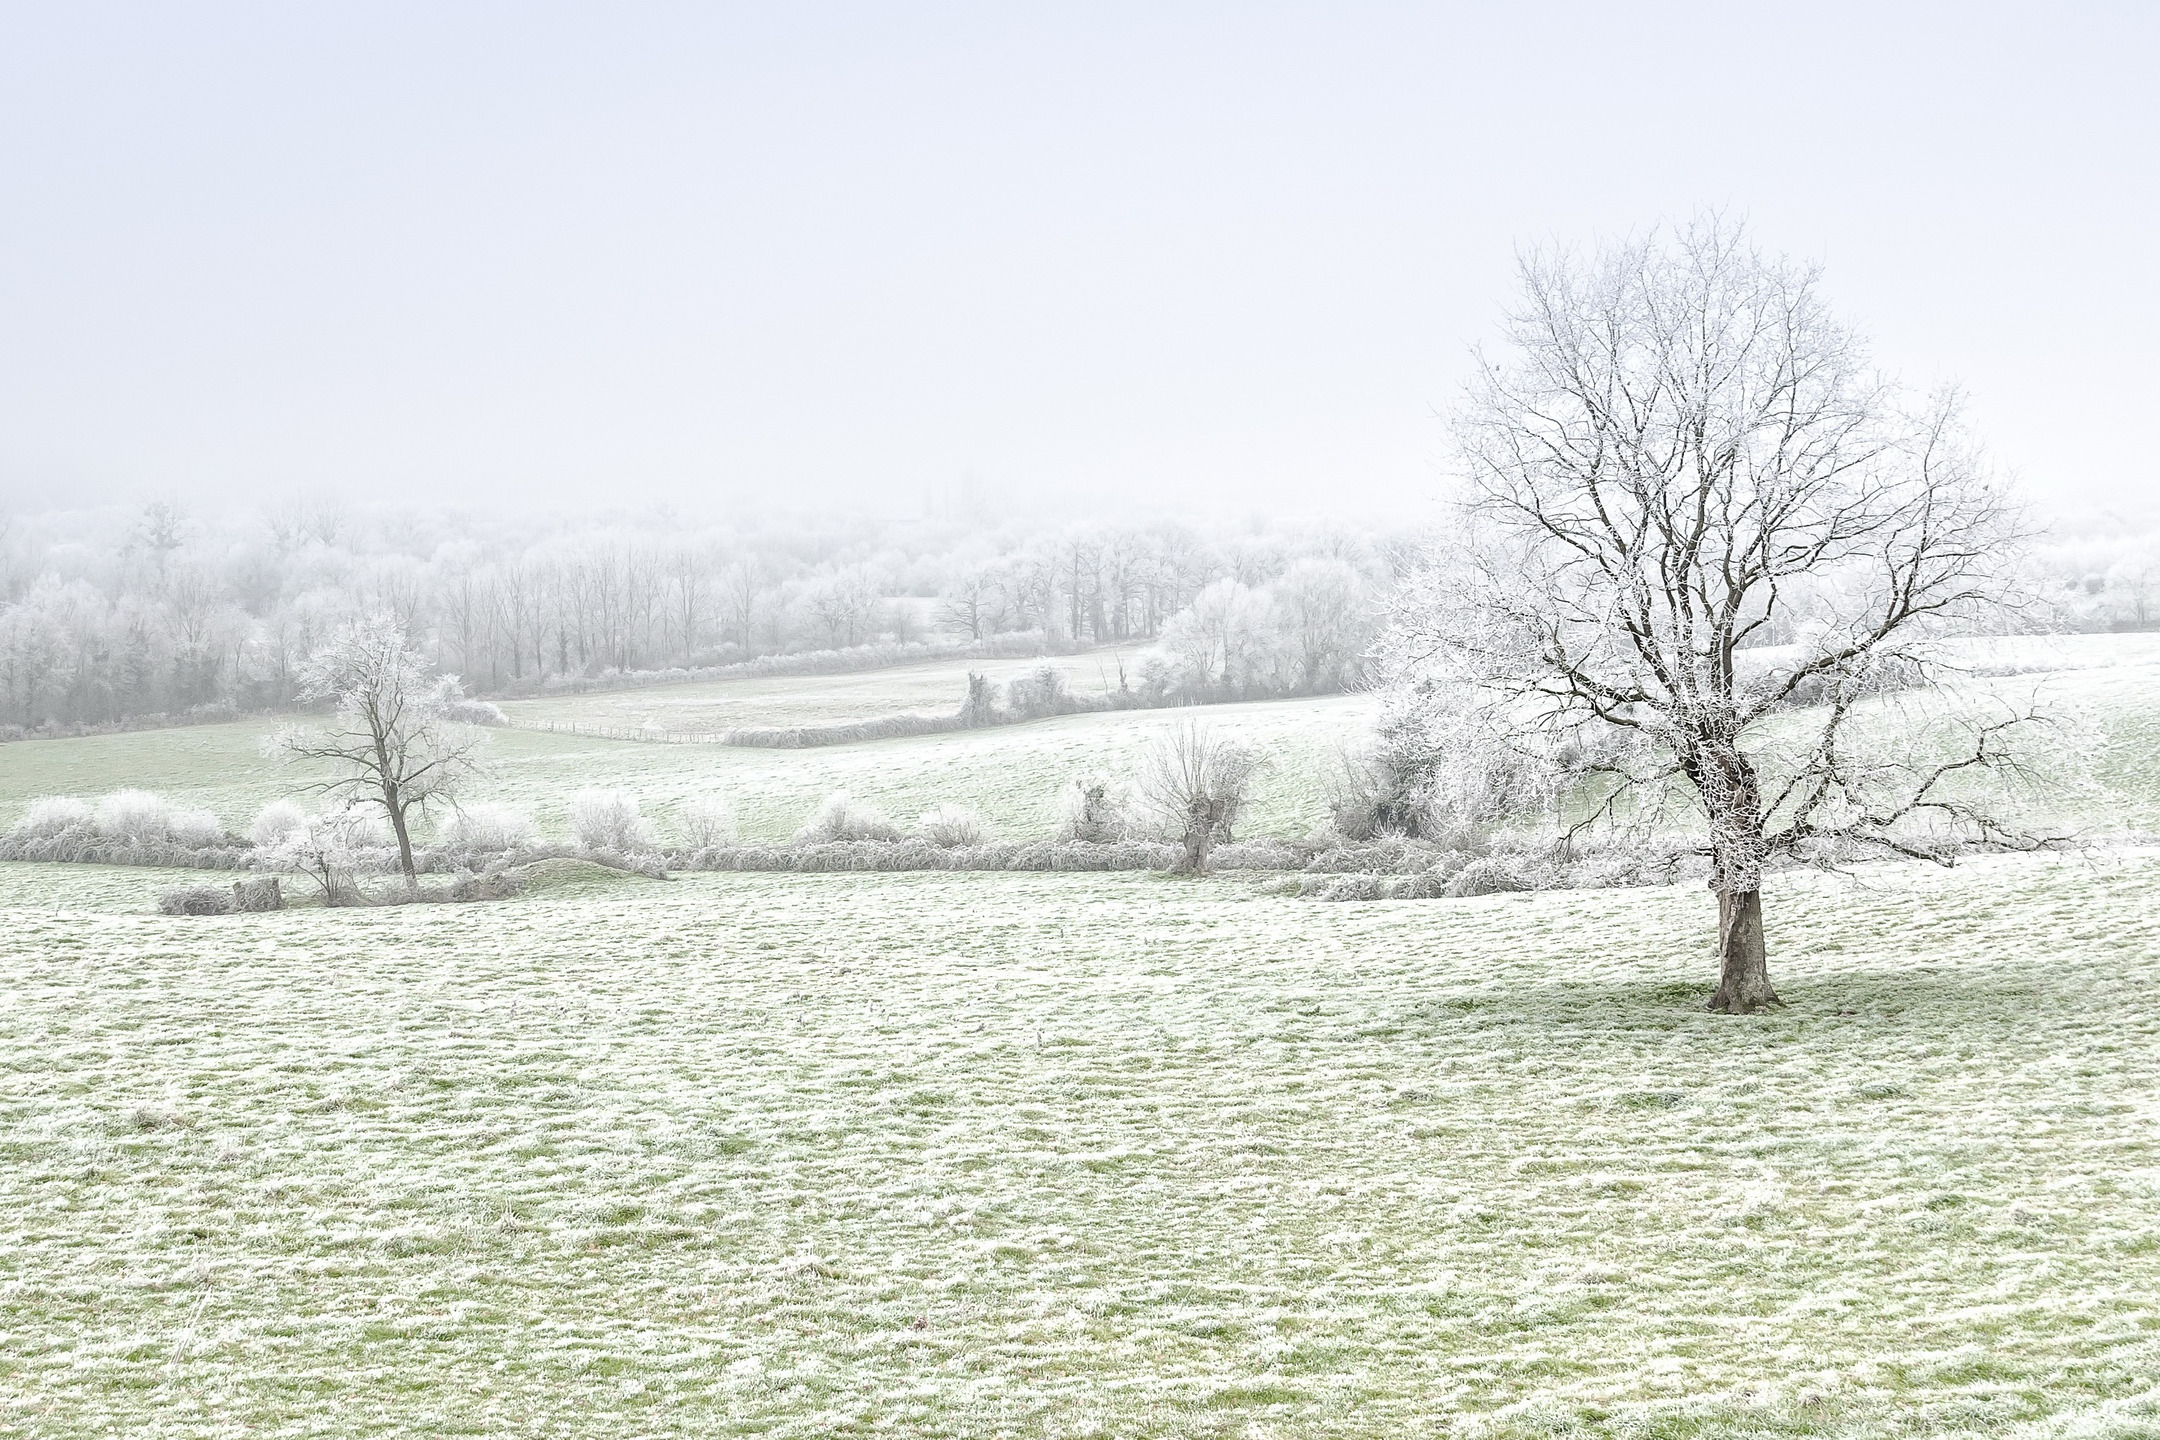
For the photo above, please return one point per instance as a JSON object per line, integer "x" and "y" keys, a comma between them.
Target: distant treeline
{"x": 112, "y": 618}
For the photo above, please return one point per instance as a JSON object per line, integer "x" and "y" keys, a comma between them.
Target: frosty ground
{"x": 1066, "y": 1155}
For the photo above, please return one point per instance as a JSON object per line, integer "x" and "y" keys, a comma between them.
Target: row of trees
{"x": 107, "y": 616}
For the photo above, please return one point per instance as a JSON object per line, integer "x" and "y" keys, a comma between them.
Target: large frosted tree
{"x": 1680, "y": 458}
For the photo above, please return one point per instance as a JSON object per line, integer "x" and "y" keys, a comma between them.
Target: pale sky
{"x": 1174, "y": 253}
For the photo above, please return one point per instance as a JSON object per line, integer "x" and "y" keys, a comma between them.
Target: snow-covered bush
{"x": 54, "y": 815}
{"x": 487, "y": 885}
{"x": 609, "y": 820}
{"x": 1494, "y": 875}
{"x": 1092, "y": 811}
{"x": 704, "y": 821}
{"x": 952, "y": 825}
{"x": 194, "y": 829}
{"x": 134, "y": 816}
{"x": 843, "y": 817}
{"x": 333, "y": 849}
{"x": 485, "y": 829}
{"x": 474, "y": 712}
{"x": 1039, "y": 692}
{"x": 274, "y": 822}
{"x": 196, "y": 900}
{"x": 260, "y": 892}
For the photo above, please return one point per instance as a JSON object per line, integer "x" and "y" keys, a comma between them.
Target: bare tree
{"x": 1685, "y": 452}
{"x": 740, "y": 590}
{"x": 1196, "y": 783}
{"x": 1326, "y": 617}
{"x": 967, "y": 600}
{"x": 390, "y": 743}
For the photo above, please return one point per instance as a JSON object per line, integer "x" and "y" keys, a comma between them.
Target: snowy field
{"x": 1070, "y": 1155}
{"x": 934, "y": 687}
{"x": 978, "y": 1155}
{"x": 1011, "y": 773}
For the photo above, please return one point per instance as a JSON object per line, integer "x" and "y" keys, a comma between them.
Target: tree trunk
{"x": 404, "y": 848}
{"x": 1199, "y": 838}
{"x": 1743, "y": 962}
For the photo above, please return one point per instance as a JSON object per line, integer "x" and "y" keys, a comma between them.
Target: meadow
{"x": 1070, "y": 1155}
{"x": 933, "y": 687}
{"x": 1064, "y": 1155}
{"x": 1011, "y": 773}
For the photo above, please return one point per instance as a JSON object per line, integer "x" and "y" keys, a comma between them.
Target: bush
{"x": 260, "y": 892}
{"x": 196, "y": 900}
{"x": 1039, "y": 692}
{"x": 950, "y": 826}
{"x": 134, "y": 816}
{"x": 194, "y": 829}
{"x": 486, "y": 829}
{"x": 1091, "y": 812}
{"x": 474, "y": 712}
{"x": 704, "y": 821}
{"x": 1494, "y": 875}
{"x": 609, "y": 820}
{"x": 860, "y": 855}
{"x": 1373, "y": 796}
{"x": 54, "y": 815}
{"x": 274, "y": 822}
{"x": 488, "y": 885}
{"x": 851, "y": 732}
{"x": 843, "y": 817}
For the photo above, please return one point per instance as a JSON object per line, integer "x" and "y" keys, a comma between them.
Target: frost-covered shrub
{"x": 195, "y": 900}
{"x": 609, "y": 820}
{"x": 54, "y": 815}
{"x": 488, "y": 885}
{"x": 1257, "y": 855}
{"x": 474, "y": 712}
{"x": 134, "y": 816}
{"x": 704, "y": 821}
{"x": 1040, "y": 691}
{"x": 843, "y": 817}
{"x": 194, "y": 829}
{"x": 1494, "y": 875}
{"x": 332, "y": 849}
{"x": 950, "y": 826}
{"x": 274, "y": 822}
{"x": 1372, "y": 796}
{"x": 259, "y": 892}
{"x": 1092, "y": 811}
{"x": 485, "y": 829}
{"x": 917, "y": 854}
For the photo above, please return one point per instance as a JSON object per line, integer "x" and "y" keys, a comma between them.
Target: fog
{"x": 1111, "y": 258}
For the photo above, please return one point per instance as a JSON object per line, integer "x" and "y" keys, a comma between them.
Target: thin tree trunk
{"x": 404, "y": 848}
{"x": 1743, "y": 960}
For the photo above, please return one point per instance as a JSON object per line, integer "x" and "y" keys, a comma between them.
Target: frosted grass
{"x": 1083, "y": 1155}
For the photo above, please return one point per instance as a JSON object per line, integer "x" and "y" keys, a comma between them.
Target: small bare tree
{"x": 1196, "y": 783}
{"x": 1686, "y": 457}
{"x": 390, "y": 743}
